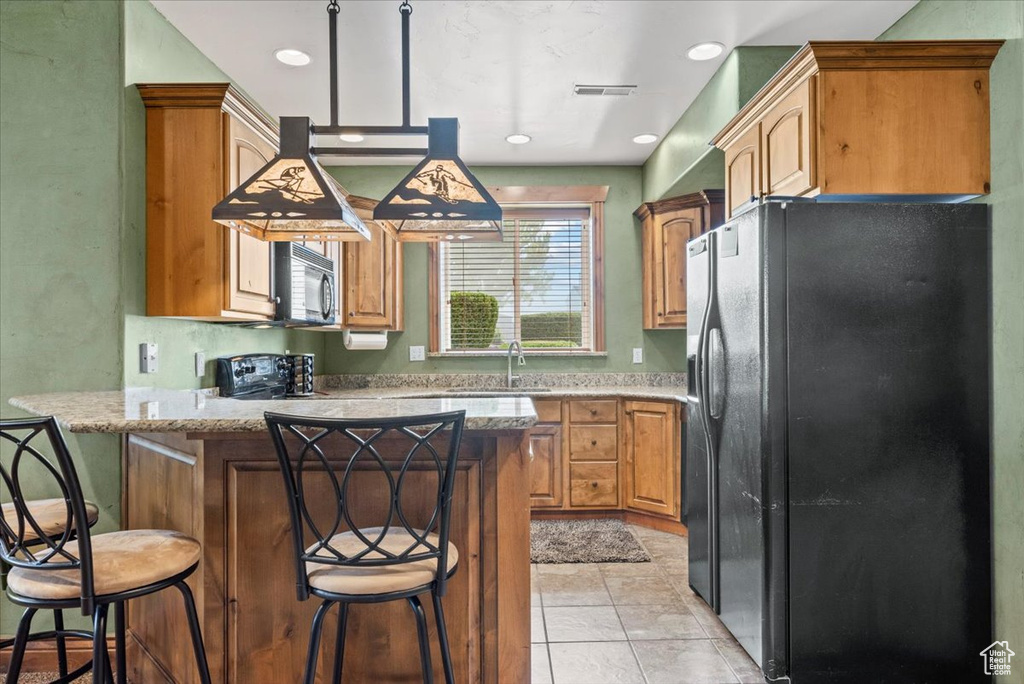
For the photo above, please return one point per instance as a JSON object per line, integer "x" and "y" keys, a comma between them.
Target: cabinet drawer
{"x": 593, "y": 442}
{"x": 593, "y": 411}
{"x": 548, "y": 410}
{"x": 593, "y": 484}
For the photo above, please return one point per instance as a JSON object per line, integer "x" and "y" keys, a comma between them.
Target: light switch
{"x": 417, "y": 353}
{"x": 638, "y": 354}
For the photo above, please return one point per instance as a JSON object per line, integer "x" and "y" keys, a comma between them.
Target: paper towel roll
{"x": 365, "y": 340}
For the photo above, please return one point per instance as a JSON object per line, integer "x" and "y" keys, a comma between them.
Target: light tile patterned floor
{"x": 612, "y": 623}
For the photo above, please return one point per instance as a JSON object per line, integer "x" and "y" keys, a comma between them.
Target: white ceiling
{"x": 508, "y": 67}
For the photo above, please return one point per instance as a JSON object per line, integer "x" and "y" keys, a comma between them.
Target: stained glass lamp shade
{"x": 292, "y": 197}
{"x": 440, "y": 197}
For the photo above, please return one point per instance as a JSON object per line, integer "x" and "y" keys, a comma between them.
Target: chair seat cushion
{"x": 124, "y": 560}
{"x": 50, "y": 514}
{"x": 381, "y": 579}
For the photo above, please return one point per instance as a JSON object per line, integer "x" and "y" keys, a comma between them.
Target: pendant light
{"x": 293, "y": 195}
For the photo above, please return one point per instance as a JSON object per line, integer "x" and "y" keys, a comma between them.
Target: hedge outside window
{"x": 537, "y": 285}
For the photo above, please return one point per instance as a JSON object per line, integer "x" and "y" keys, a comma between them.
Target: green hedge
{"x": 553, "y": 325}
{"x": 474, "y": 320}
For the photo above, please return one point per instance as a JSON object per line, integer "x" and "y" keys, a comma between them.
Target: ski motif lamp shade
{"x": 440, "y": 199}
{"x": 292, "y": 197}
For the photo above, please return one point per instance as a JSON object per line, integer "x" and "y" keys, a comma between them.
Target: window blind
{"x": 535, "y": 286}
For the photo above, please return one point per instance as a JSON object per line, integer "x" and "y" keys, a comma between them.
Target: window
{"x": 538, "y": 285}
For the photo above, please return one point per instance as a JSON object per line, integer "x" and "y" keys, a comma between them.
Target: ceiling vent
{"x": 608, "y": 90}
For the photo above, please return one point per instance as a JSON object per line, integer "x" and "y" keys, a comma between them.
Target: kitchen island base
{"x": 226, "y": 490}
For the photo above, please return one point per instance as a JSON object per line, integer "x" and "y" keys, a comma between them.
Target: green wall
{"x": 663, "y": 350}
{"x": 931, "y": 20}
{"x": 156, "y": 52}
{"x": 683, "y": 161}
{"x": 61, "y": 304}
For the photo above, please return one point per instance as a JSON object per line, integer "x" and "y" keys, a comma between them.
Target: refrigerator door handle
{"x": 716, "y": 373}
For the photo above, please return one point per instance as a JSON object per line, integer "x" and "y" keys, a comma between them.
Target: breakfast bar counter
{"x": 205, "y": 466}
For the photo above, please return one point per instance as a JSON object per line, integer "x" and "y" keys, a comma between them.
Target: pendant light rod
{"x": 332, "y": 18}
{"x": 405, "y": 9}
{"x": 370, "y": 151}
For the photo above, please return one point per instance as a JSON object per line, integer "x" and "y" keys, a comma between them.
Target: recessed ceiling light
{"x": 645, "y": 139}
{"x": 351, "y": 137}
{"x": 292, "y": 57}
{"x": 518, "y": 138}
{"x": 704, "y": 51}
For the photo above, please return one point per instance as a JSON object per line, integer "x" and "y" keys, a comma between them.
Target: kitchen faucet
{"x": 514, "y": 344}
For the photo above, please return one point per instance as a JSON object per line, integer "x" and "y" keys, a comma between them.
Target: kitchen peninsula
{"x": 205, "y": 466}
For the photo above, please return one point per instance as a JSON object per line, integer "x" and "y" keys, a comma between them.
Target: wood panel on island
{"x": 202, "y": 140}
{"x": 608, "y": 457}
{"x": 865, "y": 120}
{"x": 666, "y": 226}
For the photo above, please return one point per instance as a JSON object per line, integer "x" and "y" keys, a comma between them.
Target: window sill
{"x": 504, "y": 352}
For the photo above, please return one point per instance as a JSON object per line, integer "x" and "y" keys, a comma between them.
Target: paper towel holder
{"x": 361, "y": 340}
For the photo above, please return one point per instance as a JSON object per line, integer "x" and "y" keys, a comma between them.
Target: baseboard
{"x": 41, "y": 656}
{"x": 632, "y": 517}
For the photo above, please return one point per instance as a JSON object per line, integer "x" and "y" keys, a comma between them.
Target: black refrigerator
{"x": 838, "y": 451}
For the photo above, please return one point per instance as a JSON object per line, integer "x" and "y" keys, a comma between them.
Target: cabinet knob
{"x": 593, "y": 442}
{"x": 593, "y": 484}
{"x": 351, "y": 313}
{"x": 593, "y": 412}
{"x": 660, "y": 314}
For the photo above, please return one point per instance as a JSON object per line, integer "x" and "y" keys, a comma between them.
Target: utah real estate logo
{"x": 997, "y": 658}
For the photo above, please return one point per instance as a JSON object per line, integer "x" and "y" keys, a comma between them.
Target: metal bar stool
{"x": 90, "y": 572}
{"x": 49, "y": 518}
{"x": 399, "y": 559}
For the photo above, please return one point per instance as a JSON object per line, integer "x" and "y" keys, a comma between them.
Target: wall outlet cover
{"x": 417, "y": 353}
{"x": 638, "y": 354}
{"x": 200, "y": 364}
{"x": 148, "y": 357}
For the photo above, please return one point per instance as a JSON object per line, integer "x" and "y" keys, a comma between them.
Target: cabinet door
{"x": 653, "y": 461}
{"x": 546, "y": 466}
{"x": 371, "y": 282}
{"x": 249, "y": 285}
{"x": 743, "y": 170}
{"x": 671, "y": 235}
{"x": 787, "y": 144}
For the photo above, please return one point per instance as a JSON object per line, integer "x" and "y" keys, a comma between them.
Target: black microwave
{"x": 304, "y": 284}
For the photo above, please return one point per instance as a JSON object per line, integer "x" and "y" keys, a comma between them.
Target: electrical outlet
{"x": 148, "y": 357}
{"x": 417, "y": 353}
{"x": 638, "y": 354}
{"x": 200, "y": 364}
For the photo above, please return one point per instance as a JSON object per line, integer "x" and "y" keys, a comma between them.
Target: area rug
{"x": 584, "y": 541}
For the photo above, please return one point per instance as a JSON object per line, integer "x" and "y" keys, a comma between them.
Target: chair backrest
{"x": 39, "y": 451}
{"x": 387, "y": 450}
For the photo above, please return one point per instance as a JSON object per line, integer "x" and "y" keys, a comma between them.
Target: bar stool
{"x": 393, "y": 561}
{"x": 51, "y": 518}
{"x": 90, "y": 572}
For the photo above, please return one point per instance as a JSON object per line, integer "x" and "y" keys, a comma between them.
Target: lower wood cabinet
{"x": 607, "y": 455}
{"x": 546, "y": 466}
{"x": 651, "y": 434}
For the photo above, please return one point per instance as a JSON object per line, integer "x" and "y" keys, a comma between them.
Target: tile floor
{"x": 611, "y": 623}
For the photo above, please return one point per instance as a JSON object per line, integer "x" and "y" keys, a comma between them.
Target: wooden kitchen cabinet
{"x": 651, "y": 434}
{"x": 864, "y": 120}
{"x": 372, "y": 275}
{"x": 666, "y": 227}
{"x": 546, "y": 455}
{"x": 593, "y": 453}
{"x": 202, "y": 140}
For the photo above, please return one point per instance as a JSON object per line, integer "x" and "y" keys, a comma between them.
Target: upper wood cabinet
{"x": 202, "y": 140}
{"x": 866, "y": 119}
{"x": 372, "y": 275}
{"x": 653, "y": 479}
{"x": 666, "y": 227}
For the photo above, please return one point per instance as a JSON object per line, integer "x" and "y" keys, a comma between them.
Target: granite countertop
{"x": 163, "y": 410}
{"x": 640, "y": 392}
